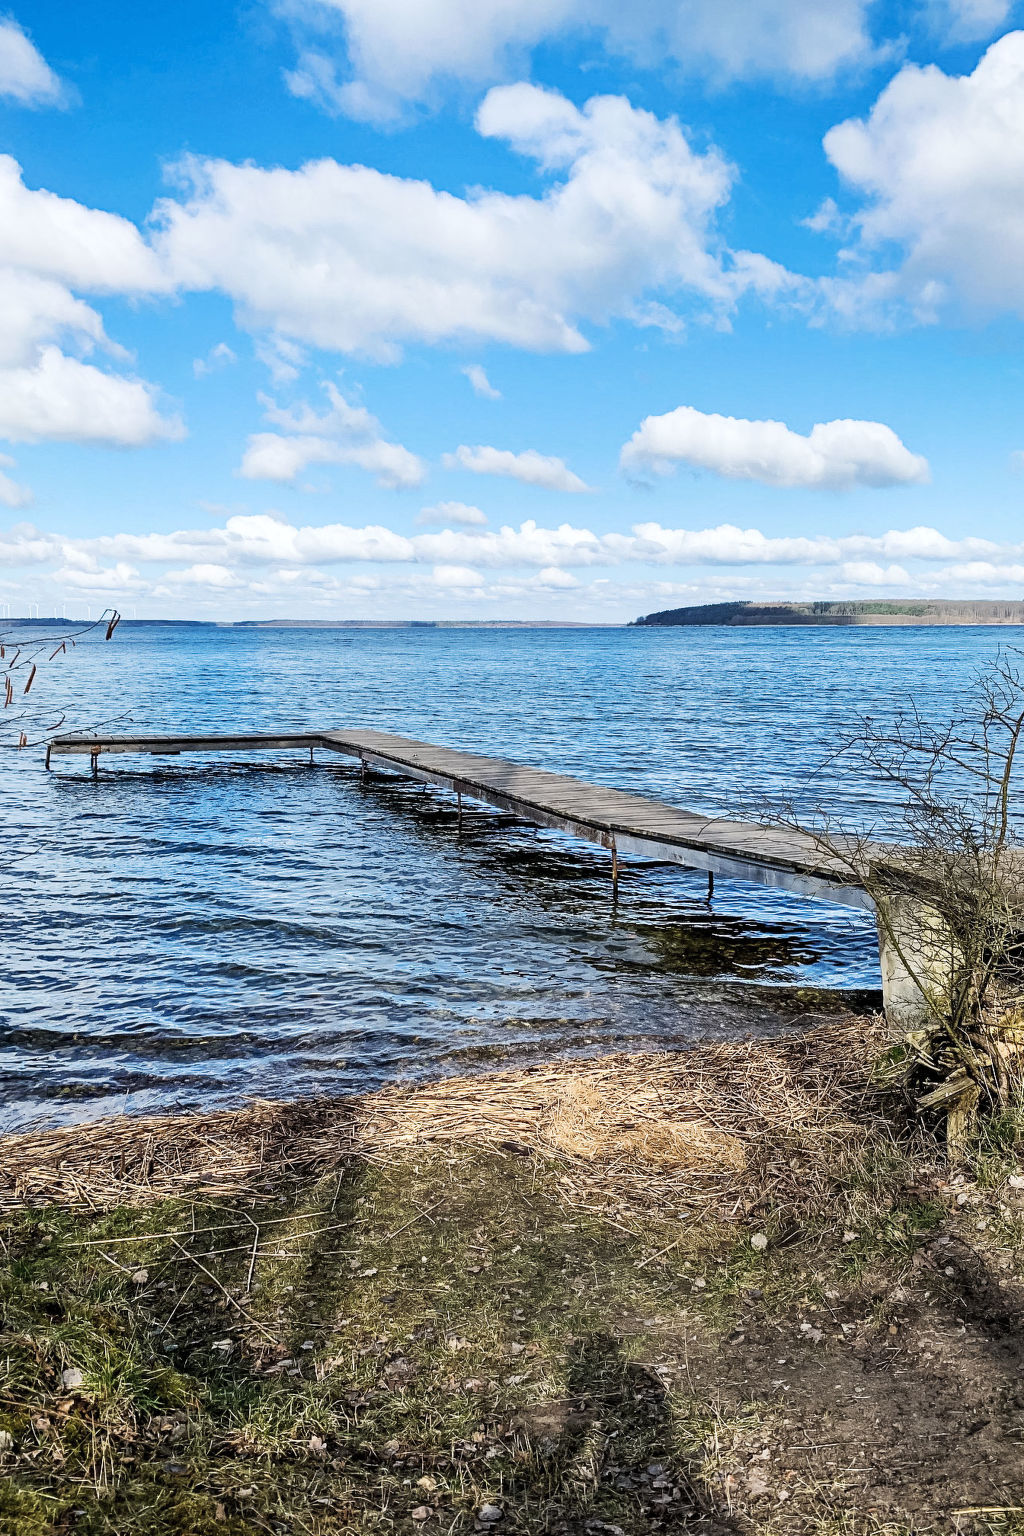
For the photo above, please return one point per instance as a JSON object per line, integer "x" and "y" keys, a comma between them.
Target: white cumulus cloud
{"x": 531, "y": 467}
{"x": 25, "y": 76}
{"x": 969, "y": 20}
{"x": 11, "y": 493}
{"x": 456, "y": 576}
{"x": 555, "y": 579}
{"x": 256, "y": 558}
{"x": 49, "y": 246}
{"x": 528, "y": 545}
{"x": 729, "y": 545}
{"x": 219, "y": 577}
{"x": 250, "y": 546}
{"x": 219, "y": 356}
{"x": 84, "y": 247}
{"x": 868, "y": 573}
{"x": 401, "y": 51}
{"x": 60, "y": 399}
{"x": 115, "y": 578}
{"x": 351, "y": 259}
{"x": 835, "y": 455}
{"x": 940, "y": 162}
{"x": 344, "y": 434}
{"x": 458, "y": 512}
{"x": 482, "y": 385}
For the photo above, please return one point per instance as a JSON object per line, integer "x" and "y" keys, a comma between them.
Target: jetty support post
{"x": 615, "y": 871}
{"x": 918, "y": 961}
{"x": 94, "y": 758}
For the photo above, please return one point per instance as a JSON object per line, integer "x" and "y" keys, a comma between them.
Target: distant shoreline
{"x": 343, "y": 623}
{"x": 734, "y": 615}
{"x": 879, "y": 613}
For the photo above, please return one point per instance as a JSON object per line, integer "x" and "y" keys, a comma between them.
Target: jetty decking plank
{"x": 617, "y": 819}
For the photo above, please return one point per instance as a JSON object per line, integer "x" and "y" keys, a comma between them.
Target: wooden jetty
{"x": 621, "y": 822}
{"x": 617, "y": 820}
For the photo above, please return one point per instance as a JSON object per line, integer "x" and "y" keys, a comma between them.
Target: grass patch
{"x": 451, "y": 1338}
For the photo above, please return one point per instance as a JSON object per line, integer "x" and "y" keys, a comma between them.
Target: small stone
{"x": 700, "y": 1283}
{"x": 759, "y": 1241}
{"x": 72, "y": 1378}
{"x": 849, "y": 1237}
{"x": 317, "y": 1445}
{"x": 1016, "y": 1181}
{"x": 489, "y": 1514}
{"x": 140, "y": 1276}
{"x": 427, "y": 1483}
{"x": 422, "y": 1512}
{"x": 367, "y": 1274}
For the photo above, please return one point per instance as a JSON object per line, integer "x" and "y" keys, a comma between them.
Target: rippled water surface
{"x": 197, "y": 930}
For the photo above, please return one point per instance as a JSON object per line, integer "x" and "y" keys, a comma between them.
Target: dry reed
{"x": 742, "y": 1121}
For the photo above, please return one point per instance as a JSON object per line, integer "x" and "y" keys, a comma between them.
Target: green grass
{"x": 451, "y": 1336}
{"x": 410, "y": 1340}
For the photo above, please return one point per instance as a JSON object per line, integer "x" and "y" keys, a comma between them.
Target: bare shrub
{"x": 28, "y": 717}
{"x": 945, "y": 870}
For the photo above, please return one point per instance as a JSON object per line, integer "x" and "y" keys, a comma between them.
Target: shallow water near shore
{"x": 198, "y": 930}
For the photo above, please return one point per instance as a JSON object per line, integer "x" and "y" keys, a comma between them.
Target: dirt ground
{"x": 461, "y": 1332}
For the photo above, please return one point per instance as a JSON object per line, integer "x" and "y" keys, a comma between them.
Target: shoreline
{"x": 689, "y": 1111}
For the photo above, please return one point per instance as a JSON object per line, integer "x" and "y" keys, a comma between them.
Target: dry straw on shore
{"x": 643, "y": 1131}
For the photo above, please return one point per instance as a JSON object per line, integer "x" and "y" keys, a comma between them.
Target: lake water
{"x": 196, "y": 931}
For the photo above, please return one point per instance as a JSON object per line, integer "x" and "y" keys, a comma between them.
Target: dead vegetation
{"x": 653, "y": 1130}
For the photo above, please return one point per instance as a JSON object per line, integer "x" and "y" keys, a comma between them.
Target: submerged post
{"x": 615, "y": 871}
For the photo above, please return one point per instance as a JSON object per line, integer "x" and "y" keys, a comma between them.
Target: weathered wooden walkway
{"x": 619, "y": 821}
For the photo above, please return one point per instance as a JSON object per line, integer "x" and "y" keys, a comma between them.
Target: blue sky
{"x": 421, "y": 308}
